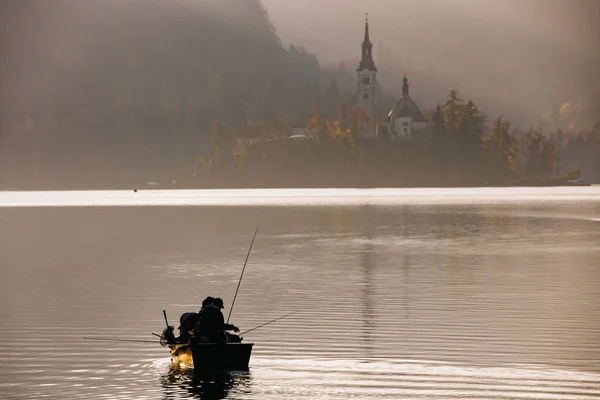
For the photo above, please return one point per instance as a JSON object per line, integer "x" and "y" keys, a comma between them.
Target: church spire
{"x": 405, "y": 86}
{"x": 366, "y": 61}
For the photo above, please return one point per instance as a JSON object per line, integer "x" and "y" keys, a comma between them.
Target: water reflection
{"x": 370, "y": 224}
{"x": 207, "y": 386}
{"x": 367, "y": 296}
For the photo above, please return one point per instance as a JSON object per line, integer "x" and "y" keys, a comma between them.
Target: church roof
{"x": 406, "y": 108}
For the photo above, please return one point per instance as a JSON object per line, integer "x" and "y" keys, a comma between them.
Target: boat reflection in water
{"x": 181, "y": 382}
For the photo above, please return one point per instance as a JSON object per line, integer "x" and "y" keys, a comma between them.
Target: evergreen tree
{"x": 438, "y": 125}
{"x": 540, "y": 154}
{"x": 453, "y": 112}
{"x": 501, "y": 148}
{"x": 439, "y": 134}
{"x": 469, "y": 138}
{"x": 332, "y": 96}
{"x": 472, "y": 124}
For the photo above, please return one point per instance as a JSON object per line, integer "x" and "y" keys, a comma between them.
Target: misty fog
{"x": 123, "y": 91}
{"x": 521, "y": 57}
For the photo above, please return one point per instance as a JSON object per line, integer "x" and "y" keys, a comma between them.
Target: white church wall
{"x": 402, "y": 128}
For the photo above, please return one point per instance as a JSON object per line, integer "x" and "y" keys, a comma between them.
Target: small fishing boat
{"x": 212, "y": 356}
{"x": 231, "y": 354}
{"x": 578, "y": 182}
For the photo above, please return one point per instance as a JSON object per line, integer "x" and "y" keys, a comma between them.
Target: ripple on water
{"x": 473, "y": 300}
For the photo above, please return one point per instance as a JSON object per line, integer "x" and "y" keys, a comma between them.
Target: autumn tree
{"x": 339, "y": 134}
{"x": 357, "y": 119}
{"x": 318, "y": 122}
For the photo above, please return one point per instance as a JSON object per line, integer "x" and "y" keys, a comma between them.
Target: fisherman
{"x": 187, "y": 321}
{"x": 218, "y": 302}
{"x": 211, "y": 327}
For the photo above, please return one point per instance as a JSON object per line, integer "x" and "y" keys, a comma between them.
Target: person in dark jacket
{"x": 188, "y": 321}
{"x": 211, "y": 327}
{"x": 218, "y": 302}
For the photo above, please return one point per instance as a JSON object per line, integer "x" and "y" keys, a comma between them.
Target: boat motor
{"x": 167, "y": 337}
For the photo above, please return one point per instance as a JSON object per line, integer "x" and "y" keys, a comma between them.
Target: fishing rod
{"x": 122, "y": 340}
{"x": 243, "y": 269}
{"x": 166, "y": 321}
{"x": 267, "y": 323}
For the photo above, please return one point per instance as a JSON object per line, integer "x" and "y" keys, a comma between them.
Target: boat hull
{"x": 212, "y": 356}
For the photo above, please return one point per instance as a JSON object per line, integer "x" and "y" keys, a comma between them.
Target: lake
{"x": 480, "y": 293}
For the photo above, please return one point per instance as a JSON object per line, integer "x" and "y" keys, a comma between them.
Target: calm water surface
{"x": 403, "y": 294}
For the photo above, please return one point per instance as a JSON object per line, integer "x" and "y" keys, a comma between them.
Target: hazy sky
{"x": 524, "y": 55}
{"x": 527, "y": 52}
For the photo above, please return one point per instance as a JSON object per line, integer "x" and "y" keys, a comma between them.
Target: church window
{"x": 366, "y": 80}
{"x": 365, "y": 96}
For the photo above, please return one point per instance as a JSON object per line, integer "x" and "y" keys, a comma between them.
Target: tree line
{"x": 466, "y": 149}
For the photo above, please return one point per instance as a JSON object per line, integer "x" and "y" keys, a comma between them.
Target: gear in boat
{"x": 208, "y": 325}
{"x": 204, "y": 341}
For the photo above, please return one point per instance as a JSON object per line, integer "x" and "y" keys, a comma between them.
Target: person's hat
{"x": 218, "y": 302}
{"x": 207, "y": 301}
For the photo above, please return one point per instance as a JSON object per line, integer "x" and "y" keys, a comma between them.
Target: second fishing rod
{"x": 242, "y": 274}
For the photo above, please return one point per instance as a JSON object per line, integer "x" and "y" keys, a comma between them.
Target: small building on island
{"x": 405, "y": 121}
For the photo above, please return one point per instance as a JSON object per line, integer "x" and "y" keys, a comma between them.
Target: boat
{"x": 578, "y": 182}
{"x": 212, "y": 356}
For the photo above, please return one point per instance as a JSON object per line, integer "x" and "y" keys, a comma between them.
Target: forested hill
{"x": 114, "y": 91}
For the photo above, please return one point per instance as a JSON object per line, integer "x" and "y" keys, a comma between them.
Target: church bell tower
{"x": 367, "y": 83}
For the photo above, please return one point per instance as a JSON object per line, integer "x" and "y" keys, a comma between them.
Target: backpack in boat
{"x": 187, "y": 321}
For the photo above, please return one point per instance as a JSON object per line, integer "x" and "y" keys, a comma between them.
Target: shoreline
{"x": 135, "y": 189}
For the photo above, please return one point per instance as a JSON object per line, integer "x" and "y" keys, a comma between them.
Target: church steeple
{"x": 367, "y": 39}
{"x": 405, "y": 86}
{"x": 366, "y": 61}
{"x": 367, "y": 87}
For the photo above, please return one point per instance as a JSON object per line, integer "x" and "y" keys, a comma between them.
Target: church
{"x": 405, "y": 121}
